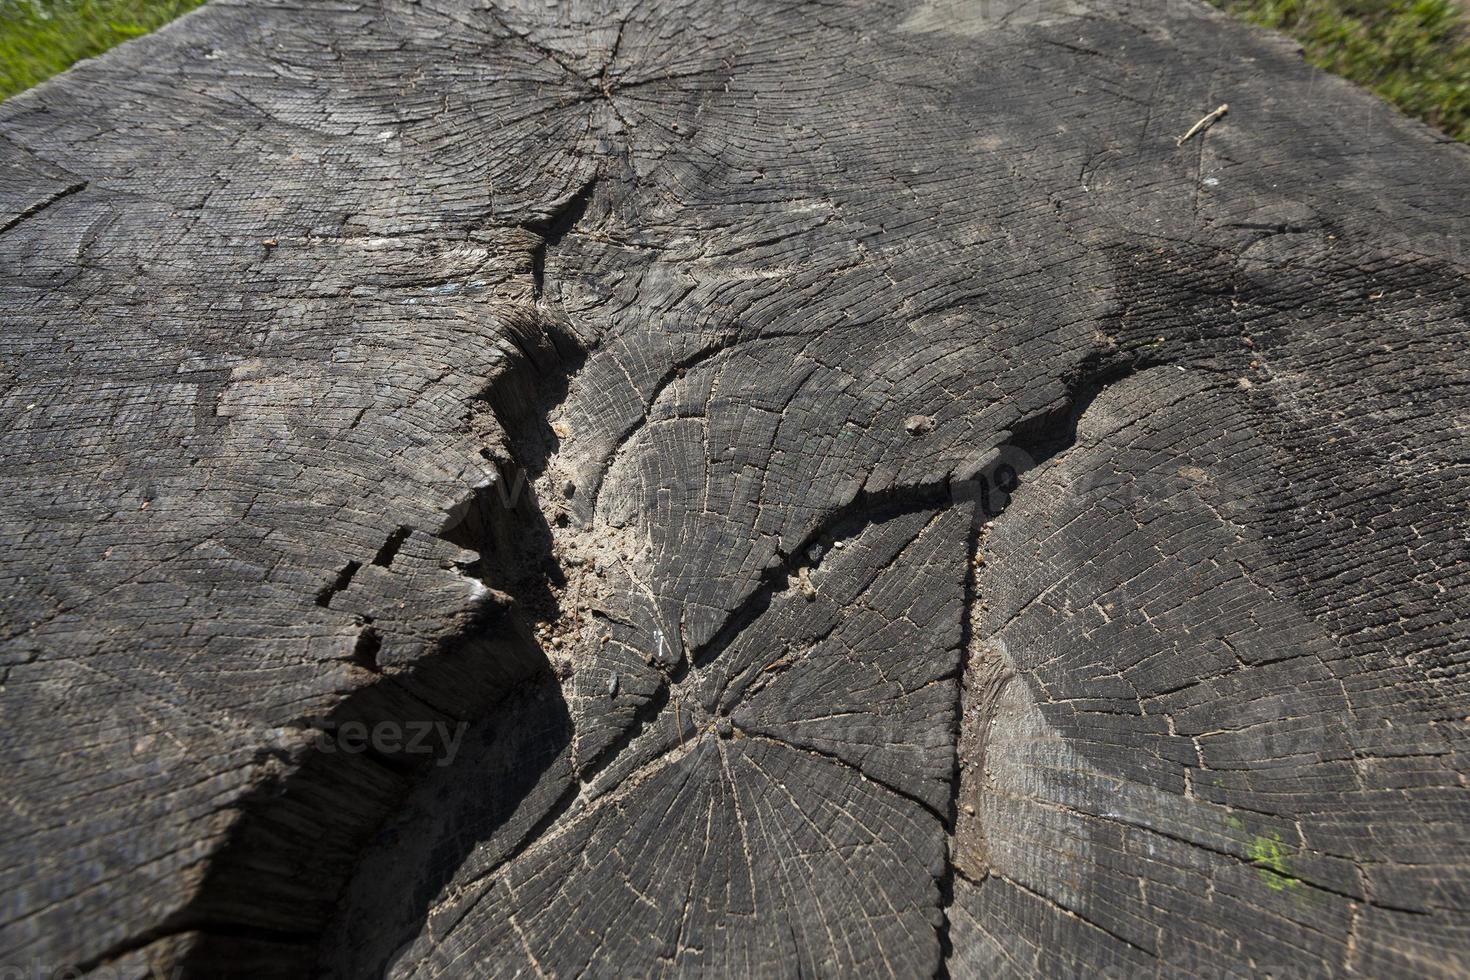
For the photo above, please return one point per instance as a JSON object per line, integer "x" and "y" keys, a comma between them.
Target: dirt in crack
{"x": 341, "y": 851}
{"x": 512, "y": 777}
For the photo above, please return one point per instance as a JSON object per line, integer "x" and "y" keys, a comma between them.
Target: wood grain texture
{"x": 839, "y": 488}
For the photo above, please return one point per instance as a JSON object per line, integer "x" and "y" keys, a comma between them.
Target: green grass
{"x": 1414, "y": 53}
{"x": 39, "y": 38}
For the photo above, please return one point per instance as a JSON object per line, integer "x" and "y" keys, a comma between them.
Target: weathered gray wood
{"x": 840, "y": 488}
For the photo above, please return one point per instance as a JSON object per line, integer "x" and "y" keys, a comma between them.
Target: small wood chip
{"x": 1203, "y": 123}
{"x": 804, "y": 581}
{"x": 917, "y": 425}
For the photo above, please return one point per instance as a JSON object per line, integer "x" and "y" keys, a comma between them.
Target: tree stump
{"x": 732, "y": 489}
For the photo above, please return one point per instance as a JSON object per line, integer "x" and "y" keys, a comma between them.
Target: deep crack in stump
{"x": 839, "y": 490}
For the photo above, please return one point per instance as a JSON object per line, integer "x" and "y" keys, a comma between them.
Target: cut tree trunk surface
{"x": 731, "y": 488}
